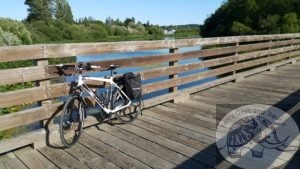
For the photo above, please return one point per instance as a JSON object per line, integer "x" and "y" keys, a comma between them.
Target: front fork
{"x": 78, "y": 93}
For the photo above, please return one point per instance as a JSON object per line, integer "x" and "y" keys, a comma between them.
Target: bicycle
{"x": 113, "y": 101}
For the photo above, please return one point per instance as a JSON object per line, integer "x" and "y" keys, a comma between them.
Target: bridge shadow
{"x": 289, "y": 104}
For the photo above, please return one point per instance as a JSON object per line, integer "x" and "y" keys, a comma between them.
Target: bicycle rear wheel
{"x": 129, "y": 114}
{"x": 71, "y": 122}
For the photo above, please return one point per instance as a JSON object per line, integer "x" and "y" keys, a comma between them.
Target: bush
{"x": 120, "y": 30}
{"x": 97, "y": 31}
{"x": 8, "y": 39}
{"x": 16, "y": 28}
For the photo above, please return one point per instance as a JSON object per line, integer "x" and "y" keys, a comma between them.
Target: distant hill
{"x": 243, "y": 17}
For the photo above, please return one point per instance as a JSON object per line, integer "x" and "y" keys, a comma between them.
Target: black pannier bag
{"x": 133, "y": 85}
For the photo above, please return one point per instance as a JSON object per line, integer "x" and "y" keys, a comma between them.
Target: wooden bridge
{"x": 177, "y": 128}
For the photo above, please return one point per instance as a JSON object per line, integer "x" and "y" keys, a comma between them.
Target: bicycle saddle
{"x": 112, "y": 67}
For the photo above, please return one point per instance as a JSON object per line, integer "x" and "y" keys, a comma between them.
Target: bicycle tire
{"x": 126, "y": 115}
{"x": 71, "y": 121}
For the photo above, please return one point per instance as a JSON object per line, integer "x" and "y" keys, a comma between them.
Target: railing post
{"x": 269, "y": 56}
{"x": 173, "y": 63}
{"x": 236, "y": 54}
{"x": 292, "y": 44}
{"x": 270, "y": 48}
{"x": 41, "y": 63}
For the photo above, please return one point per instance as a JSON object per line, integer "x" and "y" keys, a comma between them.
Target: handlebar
{"x": 79, "y": 66}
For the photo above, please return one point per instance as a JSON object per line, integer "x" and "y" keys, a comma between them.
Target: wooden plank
{"x": 65, "y": 50}
{"x": 178, "y": 129}
{"x": 290, "y": 68}
{"x": 270, "y": 89}
{"x": 193, "y": 127}
{"x": 10, "y": 161}
{"x": 285, "y": 74}
{"x": 110, "y": 154}
{"x": 194, "y": 105}
{"x": 167, "y": 111}
{"x": 12, "y": 120}
{"x": 18, "y": 97}
{"x": 290, "y": 81}
{"x": 131, "y": 150}
{"x": 27, "y": 116}
{"x": 199, "y": 113}
{"x": 274, "y": 86}
{"x": 177, "y": 137}
{"x": 19, "y": 75}
{"x": 90, "y": 158}
{"x": 22, "y": 96}
{"x": 61, "y": 159}
{"x": 291, "y": 90}
{"x": 154, "y": 148}
{"x": 255, "y": 98}
{"x": 267, "y": 95}
{"x": 188, "y": 115}
{"x": 33, "y": 159}
{"x": 173, "y": 145}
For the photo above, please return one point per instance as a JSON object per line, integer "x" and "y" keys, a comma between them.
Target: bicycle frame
{"x": 107, "y": 110}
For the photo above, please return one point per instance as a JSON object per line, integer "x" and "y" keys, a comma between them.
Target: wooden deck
{"x": 169, "y": 135}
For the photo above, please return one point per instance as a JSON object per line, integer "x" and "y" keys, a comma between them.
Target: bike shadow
{"x": 94, "y": 118}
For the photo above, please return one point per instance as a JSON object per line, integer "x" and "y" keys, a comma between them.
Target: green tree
{"x": 241, "y": 29}
{"x": 290, "y": 23}
{"x": 16, "y": 28}
{"x": 270, "y": 24}
{"x": 129, "y": 21}
{"x": 154, "y": 30}
{"x": 262, "y": 16}
{"x": 39, "y": 10}
{"x": 63, "y": 11}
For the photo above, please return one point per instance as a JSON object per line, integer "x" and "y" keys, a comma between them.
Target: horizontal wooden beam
{"x": 158, "y": 72}
{"x": 29, "y": 116}
{"x": 211, "y": 73}
{"x": 8, "y": 99}
{"x": 156, "y": 59}
{"x": 29, "y": 52}
{"x": 35, "y": 73}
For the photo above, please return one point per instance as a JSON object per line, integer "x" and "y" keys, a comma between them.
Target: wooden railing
{"x": 227, "y": 59}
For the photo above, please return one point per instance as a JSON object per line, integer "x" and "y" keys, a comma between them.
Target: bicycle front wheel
{"x": 71, "y": 122}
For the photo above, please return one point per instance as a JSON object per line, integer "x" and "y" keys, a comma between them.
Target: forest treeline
{"x": 246, "y": 17}
{"x": 52, "y": 21}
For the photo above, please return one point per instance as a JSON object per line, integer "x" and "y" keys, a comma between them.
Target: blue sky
{"x": 162, "y": 12}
